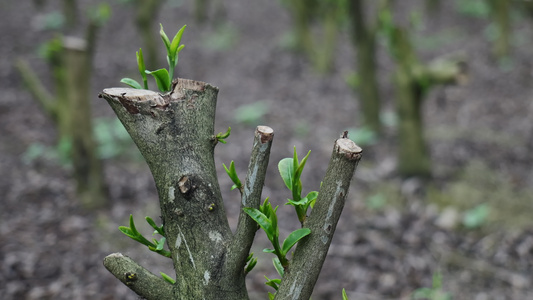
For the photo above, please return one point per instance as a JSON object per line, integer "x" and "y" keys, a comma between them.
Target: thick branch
{"x": 302, "y": 273}
{"x": 251, "y": 197}
{"x": 37, "y": 89}
{"x": 137, "y": 278}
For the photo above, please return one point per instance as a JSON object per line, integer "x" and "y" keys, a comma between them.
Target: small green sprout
{"x": 142, "y": 70}
{"x": 274, "y": 283}
{"x": 232, "y": 173}
{"x": 291, "y": 170}
{"x": 156, "y": 245}
{"x": 163, "y": 77}
{"x": 221, "y": 137}
{"x": 251, "y": 261}
{"x": 266, "y": 217}
{"x": 344, "y": 296}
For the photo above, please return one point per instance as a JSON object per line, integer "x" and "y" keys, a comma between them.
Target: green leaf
{"x": 262, "y": 220}
{"x": 302, "y": 202}
{"x": 273, "y": 282}
{"x": 142, "y": 67}
{"x": 151, "y": 222}
{"x": 251, "y": 264}
{"x": 312, "y": 198}
{"x": 167, "y": 278}
{"x": 262, "y": 208}
{"x": 286, "y": 170}
{"x": 100, "y": 14}
{"x": 423, "y": 293}
{"x": 132, "y": 226}
{"x": 175, "y": 44}
{"x": 344, "y": 296}
{"x": 274, "y": 219}
{"x": 165, "y": 39}
{"x": 225, "y": 135}
{"x": 305, "y": 202}
{"x": 301, "y": 166}
{"x": 232, "y": 173}
{"x": 295, "y": 161}
{"x": 293, "y": 238}
{"x": 137, "y": 236}
{"x": 437, "y": 280}
{"x": 162, "y": 79}
{"x": 271, "y": 296}
{"x": 131, "y": 82}
{"x": 476, "y": 216}
{"x": 154, "y": 226}
{"x": 266, "y": 250}
{"x": 278, "y": 266}
{"x": 127, "y": 231}
{"x": 160, "y": 244}
{"x": 252, "y": 113}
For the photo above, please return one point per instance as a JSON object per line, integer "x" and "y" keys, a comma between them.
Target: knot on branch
{"x": 186, "y": 186}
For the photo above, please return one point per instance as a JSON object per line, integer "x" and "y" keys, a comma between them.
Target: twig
{"x": 137, "y": 278}
{"x": 251, "y": 197}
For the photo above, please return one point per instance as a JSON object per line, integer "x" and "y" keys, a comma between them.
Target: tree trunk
{"x": 71, "y": 112}
{"x": 433, "y": 6}
{"x": 200, "y": 11}
{"x": 175, "y": 134}
{"x": 364, "y": 40}
{"x": 412, "y": 82}
{"x": 70, "y": 12}
{"x": 501, "y": 15}
{"x": 146, "y": 14}
{"x": 413, "y": 154}
{"x": 91, "y": 188}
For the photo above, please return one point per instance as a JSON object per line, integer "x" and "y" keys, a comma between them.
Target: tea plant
{"x": 210, "y": 259}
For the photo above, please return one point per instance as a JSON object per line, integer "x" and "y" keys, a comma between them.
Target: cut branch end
{"x": 266, "y": 133}
{"x": 349, "y": 148}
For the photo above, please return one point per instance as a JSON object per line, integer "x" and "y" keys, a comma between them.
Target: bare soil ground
{"x": 480, "y": 135}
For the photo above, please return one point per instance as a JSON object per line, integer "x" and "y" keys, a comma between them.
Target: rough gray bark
{"x": 174, "y": 133}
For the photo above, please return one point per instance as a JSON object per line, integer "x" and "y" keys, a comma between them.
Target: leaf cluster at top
{"x": 163, "y": 77}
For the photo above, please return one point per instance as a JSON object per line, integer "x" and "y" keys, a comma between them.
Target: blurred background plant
{"x": 70, "y": 61}
{"x": 435, "y": 292}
